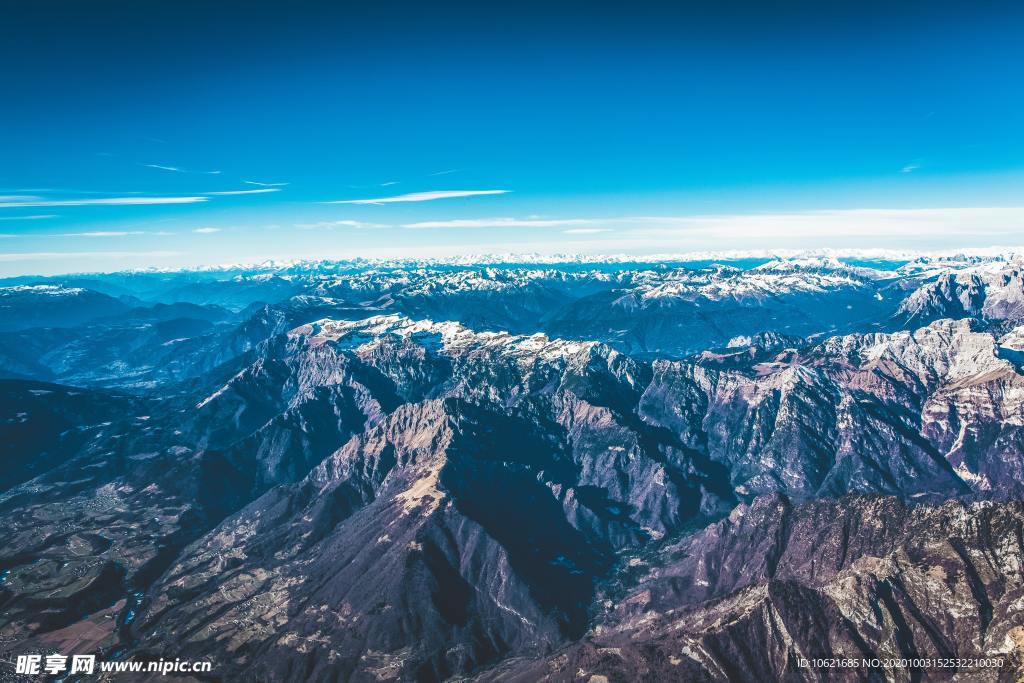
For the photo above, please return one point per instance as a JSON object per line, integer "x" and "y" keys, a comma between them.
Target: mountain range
{"x": 589, "y": 470}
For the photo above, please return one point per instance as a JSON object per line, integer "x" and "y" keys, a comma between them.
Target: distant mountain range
{"x": 587, "y": 470}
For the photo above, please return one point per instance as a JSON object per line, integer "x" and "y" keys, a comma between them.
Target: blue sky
{"x": 177, "y": 133}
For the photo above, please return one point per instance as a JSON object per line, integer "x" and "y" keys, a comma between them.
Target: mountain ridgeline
{"x": 592, "y": 472}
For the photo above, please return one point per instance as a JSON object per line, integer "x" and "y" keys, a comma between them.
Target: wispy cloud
{"x": 859, "y": 223}
{"x": 28, "y": 218}
{"x": 24, "y": 201}
{"x": 910, "y": 168}
{"x": 389, "y": 183}
{"x": 420, "y": 196}
{"x": 60, "y": 190}
{"x": 177, "y": 169}
{"x": 764, "y": 230}
{"x": 256, "y": 182}
{"x": 498, "y": 223}
{"x": 233, "y": 192}
{"x": 206, "y": 231}
{"x": 446, "y": 172}
{"x": 72, "y": 255}
{"x": 801, "y": 226}
{"x": 103, "y": 233}
{"x": 327, "y": 225}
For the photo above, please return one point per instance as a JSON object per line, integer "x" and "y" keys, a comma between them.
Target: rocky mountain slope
{"x": 774, "y": 583}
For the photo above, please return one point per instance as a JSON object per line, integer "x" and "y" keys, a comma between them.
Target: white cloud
{"x": 497, "y": 223}
{"x": 910, "y": 227}
{"x": 338, "y": 224}
{"x": 22, "y": 201}
{"x": 887, "y": 223}
{"x": 232, "y": 192}
{"x": 176, "y": 169}
{"x": 910, "y": 168}
{"x": 206, "y": 231}
{"x": 28, "y": 218}
{"x": 103, "y": 233}
{"x": 254, "y": 182}
{"x": 420, "y": 196}
{"x": 819, "y": 227}
{"x": 56, "y": 255}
